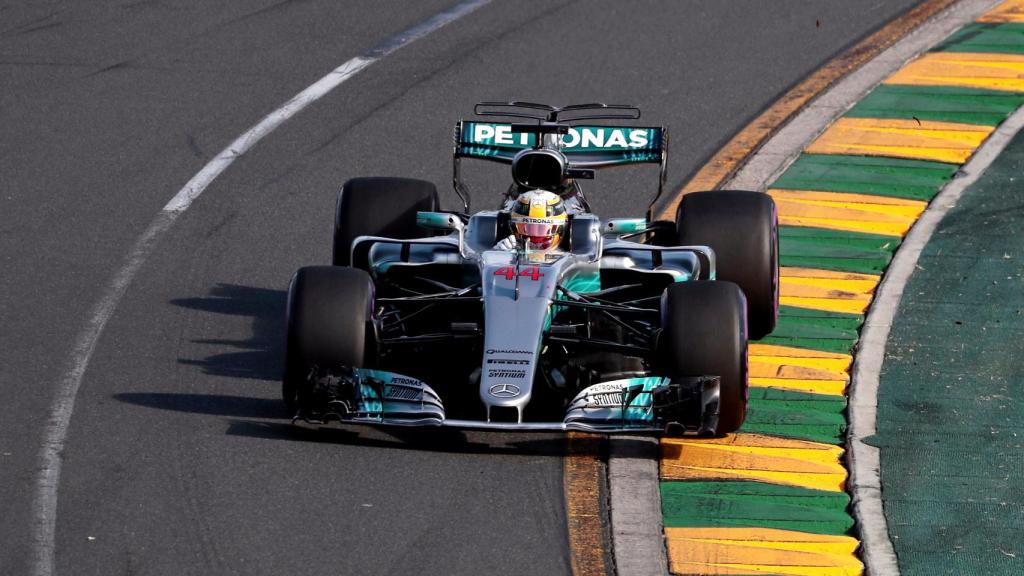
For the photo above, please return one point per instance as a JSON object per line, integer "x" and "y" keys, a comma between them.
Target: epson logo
{"x": 576, "y": 138}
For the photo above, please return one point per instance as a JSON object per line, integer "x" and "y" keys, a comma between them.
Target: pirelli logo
{"x": 508, "y": 361}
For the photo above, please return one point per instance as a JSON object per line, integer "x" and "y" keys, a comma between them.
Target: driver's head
{"x": 538, "y": 217}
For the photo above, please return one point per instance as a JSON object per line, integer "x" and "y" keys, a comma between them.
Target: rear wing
{"x": 583, "y": 146}
{"x": 578, "y": 147}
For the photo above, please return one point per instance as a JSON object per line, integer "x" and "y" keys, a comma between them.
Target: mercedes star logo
{"x": 504, "y": 390}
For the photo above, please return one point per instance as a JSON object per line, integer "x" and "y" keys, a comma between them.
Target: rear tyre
{"x": 379, "y": 207}
{"x": 327, "y": 320}
{"x": 743, "y": 230}
{"x": 704, "y": 333}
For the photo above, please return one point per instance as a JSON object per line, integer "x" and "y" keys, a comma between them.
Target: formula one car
{"x": 537, "y": 315}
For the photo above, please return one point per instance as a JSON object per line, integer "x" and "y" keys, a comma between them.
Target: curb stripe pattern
{"x": 771, "y": 498}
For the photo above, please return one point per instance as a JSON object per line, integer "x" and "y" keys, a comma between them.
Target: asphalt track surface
{"x": 180, "y": 458}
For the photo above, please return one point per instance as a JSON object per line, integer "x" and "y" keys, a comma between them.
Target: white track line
{"x": 44, "y": 509}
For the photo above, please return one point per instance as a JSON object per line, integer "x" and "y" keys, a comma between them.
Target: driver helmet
{"x": 538, "y": 219}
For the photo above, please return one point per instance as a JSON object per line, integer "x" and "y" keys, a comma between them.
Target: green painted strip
{"x": 939, "y": 103}
{"x": 835, "y": 249}
{"x": 897, "y": 177}
{"x": 815, "y": 330}
{"x": 825, "y": 345}
{"x": 826, "y": 402}
{"x": 860, "y": 239}
{"x": 821, "y": 419}
{"x": 754, "y": 505}
{"x": 741, "y": 488}
{"x": 817, "y": 327}
{"x": 859, "y": 265}
{"x": 950, "y": 418}
{"x": 800, "y": 415}
{"x": 809, "y": 313}
{"x": 991, "y": 37}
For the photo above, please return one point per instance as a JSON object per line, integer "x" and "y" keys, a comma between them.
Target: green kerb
{"x": 815, "y": 330}
{"x": 810, "y": 313}
{"x": 835, "y": 403}
{"x": 987, "y": 38}
{"x": 688, "y": 504}
{"x": 938, "y": 103}
{"x": 835, "y": 249}
{"x": 812, "y": 327}
{"x": 896, "y": 177}
{"x": 798, "y": 415}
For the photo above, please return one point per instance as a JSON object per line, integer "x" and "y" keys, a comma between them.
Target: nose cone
{"x": 516, "y": 305}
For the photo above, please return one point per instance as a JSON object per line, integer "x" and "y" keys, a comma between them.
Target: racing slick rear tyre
{"x": 704, "y": 333}
{"x": 379, "y": 207}
{"x": 327, "y": 320}
{"x": 743, "y": 230}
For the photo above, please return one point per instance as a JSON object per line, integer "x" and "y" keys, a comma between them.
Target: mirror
{"x": 619, "y": 226}
{"x": 440, "y": 221}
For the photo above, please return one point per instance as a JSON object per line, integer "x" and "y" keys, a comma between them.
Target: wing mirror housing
{"x": 623, "y": 226}
{"x": 445, "y": 221}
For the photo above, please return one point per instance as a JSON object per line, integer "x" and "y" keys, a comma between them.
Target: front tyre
{"x": 328, "y": 315}
{"x": 704, "y": 333}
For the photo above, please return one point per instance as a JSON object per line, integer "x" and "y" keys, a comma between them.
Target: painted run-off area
{"x": 950, "y": 424}
{"x": 771, "y": 499}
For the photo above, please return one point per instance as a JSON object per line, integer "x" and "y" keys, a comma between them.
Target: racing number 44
{"x": 509, "y": 272}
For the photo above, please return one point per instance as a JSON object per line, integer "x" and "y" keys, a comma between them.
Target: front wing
{"x": 641, "y": 405}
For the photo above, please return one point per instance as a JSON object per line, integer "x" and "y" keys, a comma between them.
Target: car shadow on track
{"x": 267, "y": 418}
{"x": 209, "y": 404}
{"x": 261, "y": 356}
{"x": 447, "y": 440}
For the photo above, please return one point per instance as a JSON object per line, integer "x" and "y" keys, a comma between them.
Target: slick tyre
{"x": 704, "y": 333}
{"x": 379, "y": 207}
{"x": 327, "y": 319}
{"x": 742, "y": 228}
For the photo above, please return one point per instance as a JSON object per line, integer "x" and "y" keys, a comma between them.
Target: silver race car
{"x": 538, "y": 315}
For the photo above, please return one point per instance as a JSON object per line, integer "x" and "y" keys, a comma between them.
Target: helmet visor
{"x": 540, "y": 235}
